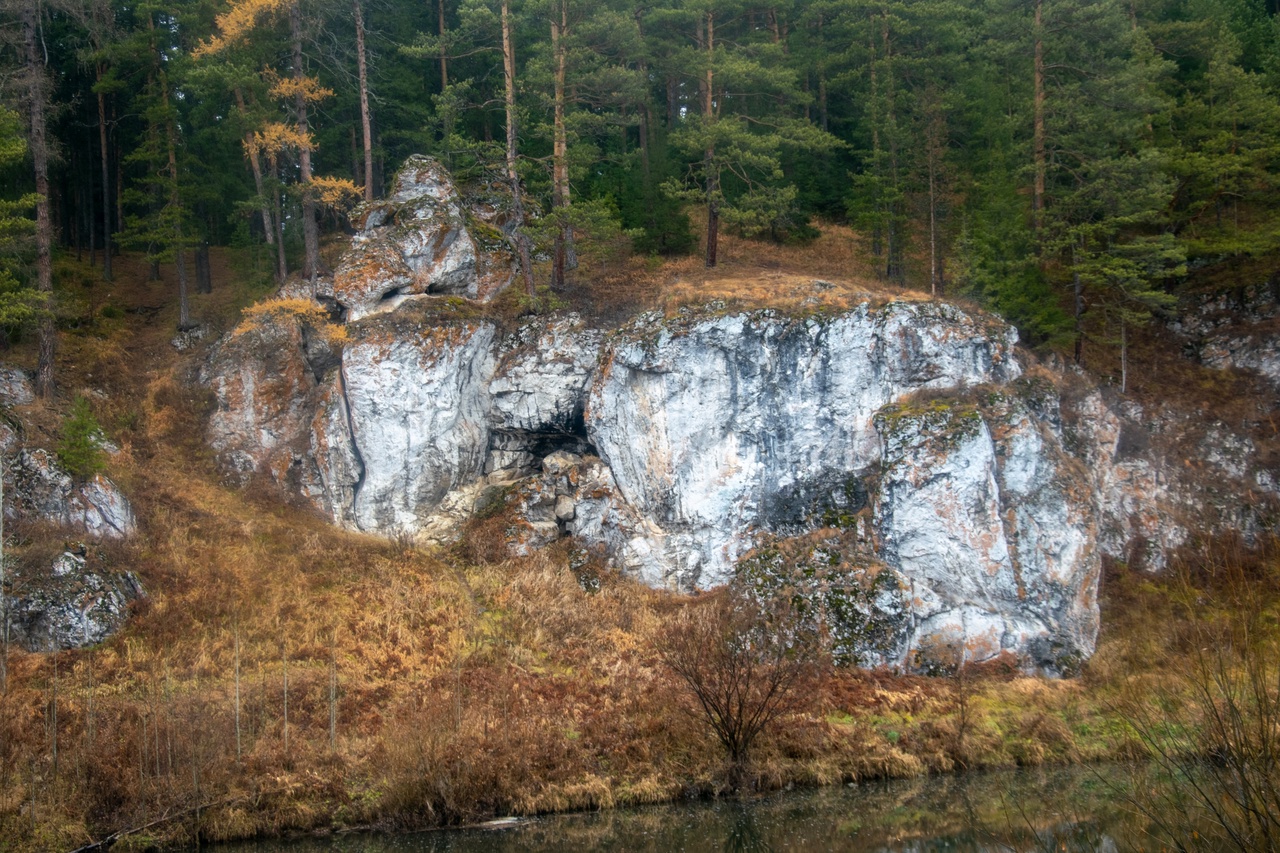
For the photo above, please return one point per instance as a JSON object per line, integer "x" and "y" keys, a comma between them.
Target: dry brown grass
{"x": 468, "y": 684}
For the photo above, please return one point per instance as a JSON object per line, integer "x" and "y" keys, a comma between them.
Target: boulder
{"x": 15, "y": 387}
{"x": 266, "y": 379}
{"x": 72, "y": 606}
{"x": 423, "y": 238}
{"x": 38, "y": 487}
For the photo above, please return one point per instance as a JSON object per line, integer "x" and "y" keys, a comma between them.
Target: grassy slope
{"x": 464, "y": 687}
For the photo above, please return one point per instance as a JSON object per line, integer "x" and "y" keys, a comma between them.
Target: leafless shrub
{"x": 1215, "y": 736}
{"x": 744, "y": 666}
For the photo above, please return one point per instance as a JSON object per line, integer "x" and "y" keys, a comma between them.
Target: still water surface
{"x": 1072, "y": 809}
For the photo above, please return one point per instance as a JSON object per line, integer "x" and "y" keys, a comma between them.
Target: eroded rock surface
{"x": 947, "y": 501}
{"x": 38, "y": 487}
{"x": 720, "y": 426}
{"x": 71, "y": 606}
{"x": 424, "y": 238}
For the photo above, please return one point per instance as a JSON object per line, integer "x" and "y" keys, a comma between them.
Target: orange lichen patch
{"x": 277, "y": 311}
{"x": 361, "y": 273}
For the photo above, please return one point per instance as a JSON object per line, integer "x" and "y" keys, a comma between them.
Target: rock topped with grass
{"x": 38, "y": 487}
{"x": 678, "y": 446}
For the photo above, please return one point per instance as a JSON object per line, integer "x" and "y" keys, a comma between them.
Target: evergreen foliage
{"x": 80, "y": 446}
{"x": 1062, "y": 162}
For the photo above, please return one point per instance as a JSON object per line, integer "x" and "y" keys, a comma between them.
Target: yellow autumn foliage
{"x": 287, "y": 88}
{"x": 276, "y": 137}
{"x": 335, "y": 192}
{"x": 276, "y": 311}
{"x": 234, "y": 23}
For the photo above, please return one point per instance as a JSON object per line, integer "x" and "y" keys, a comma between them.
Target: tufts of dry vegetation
{"x": 283, "y": 675}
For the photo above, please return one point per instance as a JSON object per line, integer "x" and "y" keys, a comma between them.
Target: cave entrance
{"x": 521, "y": 452}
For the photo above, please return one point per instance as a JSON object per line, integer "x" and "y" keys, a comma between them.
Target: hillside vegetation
{"x": 284, "y": 675}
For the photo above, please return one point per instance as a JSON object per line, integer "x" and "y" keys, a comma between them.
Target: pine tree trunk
{"x": 310, "y": 227}
{"x": 894, "y": 249}
{"x": 877, "y": 227}
{"x": 106, "y": 182}
{"x": 1038, "y": 131}
{"x": 255, "y": 166}
{"x": 366, "y": 124}
{"x": 710, "y": 169}
{"x": 513, "y": 177}
{"x": 1124, "y": 357}
{"x": 559, "y": 157}
{"x": 1078, "y": 311}
{"x": 39, "y": 147}
{"x": 282, "y": 261}
{"x": 444, "y": 53}
{"x": 175, "y": 203}
{"x": 204, "y": 275}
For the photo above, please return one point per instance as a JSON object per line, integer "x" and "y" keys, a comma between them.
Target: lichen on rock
{"x": 425, "y": 237}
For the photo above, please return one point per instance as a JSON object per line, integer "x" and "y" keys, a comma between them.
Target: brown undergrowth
{"x": 283, "y": 675}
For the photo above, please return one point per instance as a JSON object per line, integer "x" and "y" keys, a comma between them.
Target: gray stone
{"x": 72, "y": 607}
{"x": 42, "y": 489}
{"x": 15, "y": 387}
{"x": 719, "y": 428}
{"x": 424, "y": 238}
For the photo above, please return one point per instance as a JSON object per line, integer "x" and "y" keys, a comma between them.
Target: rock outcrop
{"x": 678, "y": 446}
{"x": 693, "y": 420}
{"x": 898, "y": 460}
{"x": 39, "y": 488}
{"x": 73, "y": 599}
{"x": 424, "y": 238}
{"x": 74, "y": 605}
{"x": 1237, "y": 332}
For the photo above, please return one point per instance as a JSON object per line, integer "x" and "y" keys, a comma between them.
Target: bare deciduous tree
{"x": 745, "y": 667}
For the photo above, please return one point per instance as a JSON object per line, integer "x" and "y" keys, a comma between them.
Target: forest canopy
{"x": 1064, "y": 162}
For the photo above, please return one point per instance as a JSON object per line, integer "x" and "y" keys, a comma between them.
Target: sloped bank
{"x": 677, "y": 446}
{"x": 973, "y": 497}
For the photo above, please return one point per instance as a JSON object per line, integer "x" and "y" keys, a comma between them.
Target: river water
{"x": 1063, "y": 809}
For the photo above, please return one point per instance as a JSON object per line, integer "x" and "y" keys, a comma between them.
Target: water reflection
{"x": 1060, "y": 810}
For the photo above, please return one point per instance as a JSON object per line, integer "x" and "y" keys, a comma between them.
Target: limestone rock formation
{"x": 37, "y": 486}
{"x": 74, "y": 605}
{"x": 717, "y": 426}
{"x": 941, "y": 499}
{"x": 1239, "y": 332}
{"x": 677, "y": 446}
{"x": 424, "y": 238}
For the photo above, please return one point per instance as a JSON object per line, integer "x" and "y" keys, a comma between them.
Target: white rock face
{"x": 541, "y": 381}
{"x": 417, "y": 407}
{"x": 715, "y": 428}
{"x": 15, "y": 387}
{"x": 264, "y": 379}
{"x": 992, "y": 529}
{"x": 1239, "y": 332}
{"x": 72, "y": 606}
